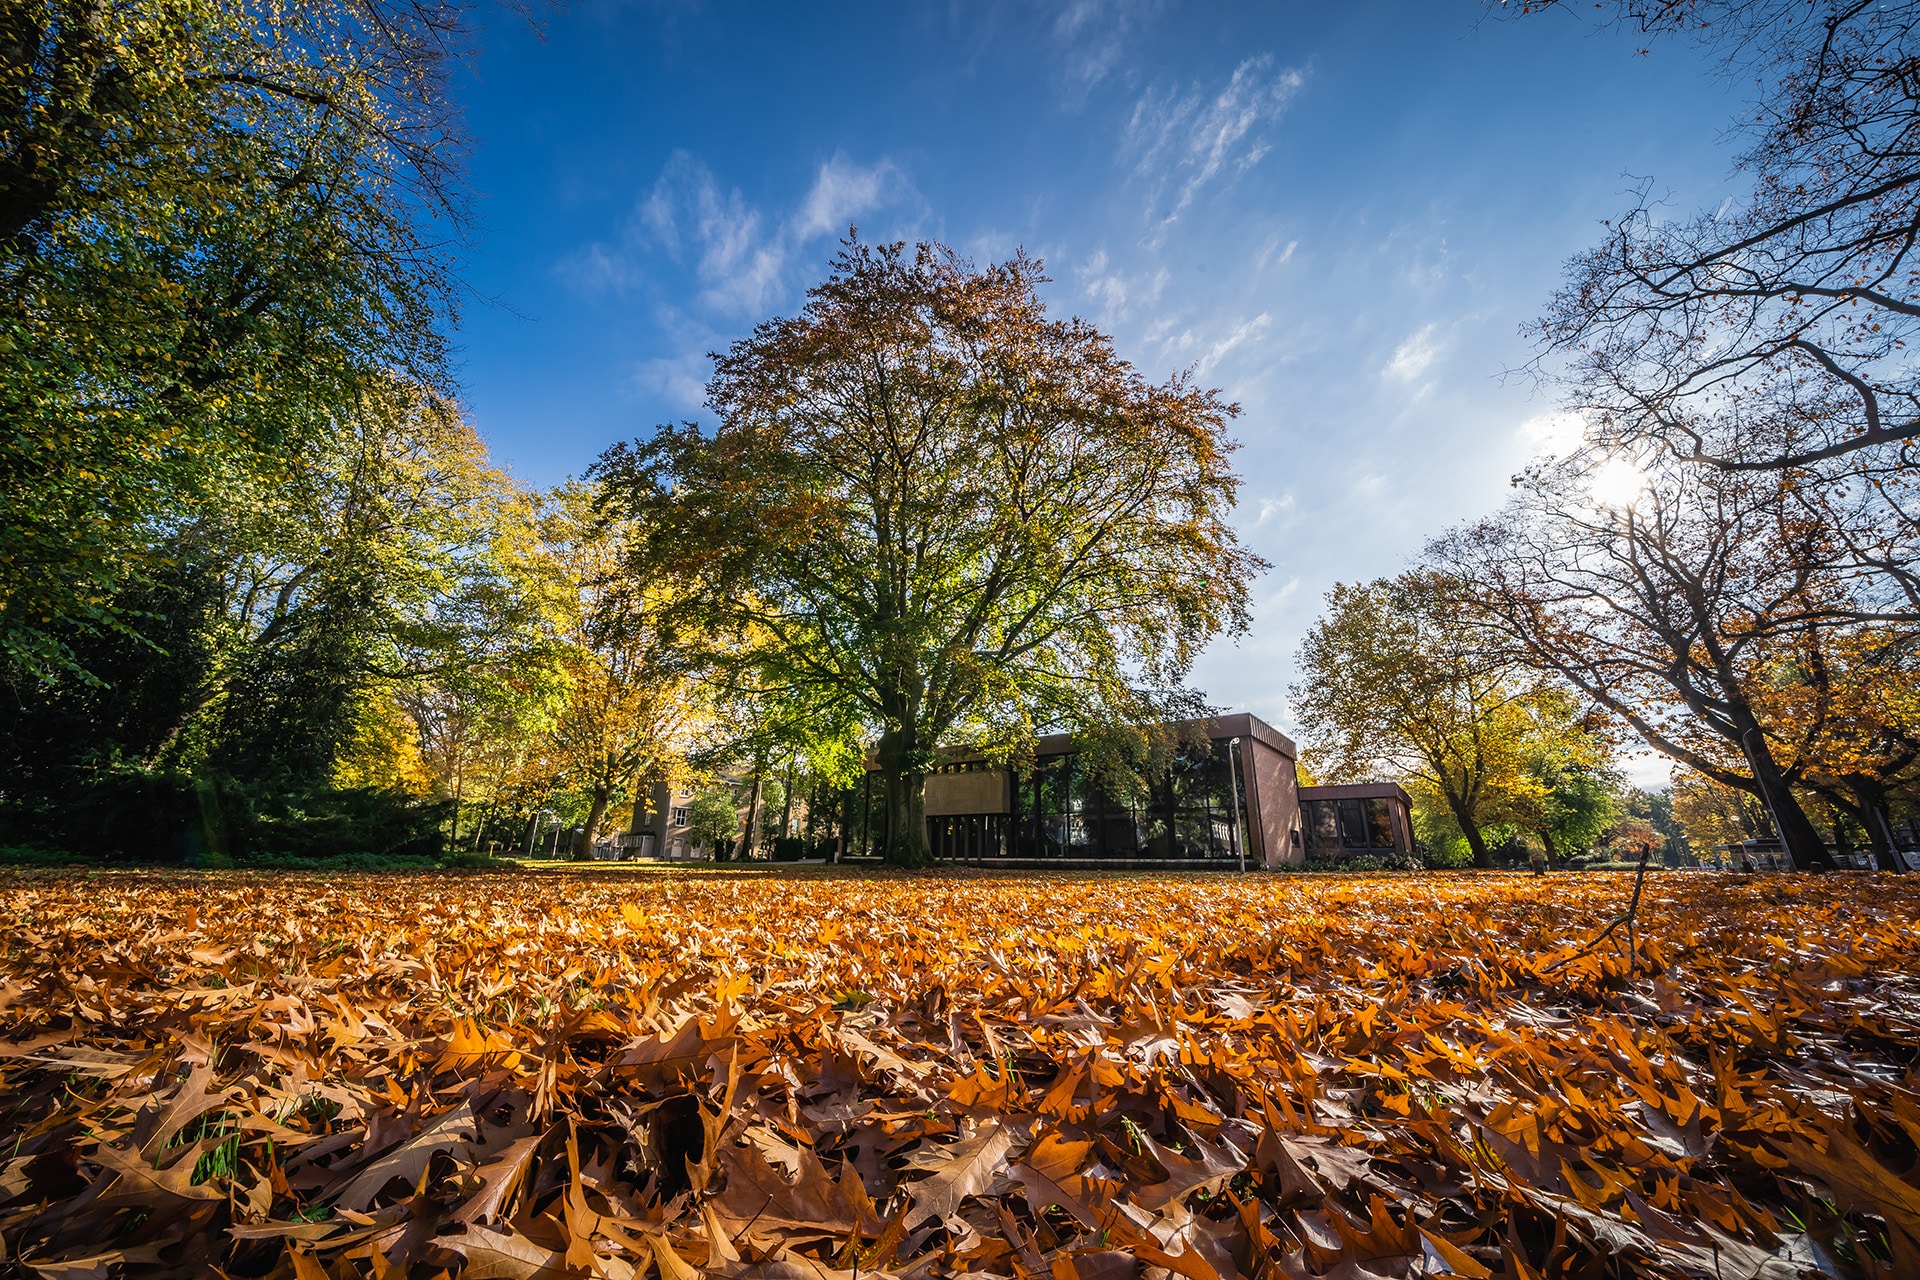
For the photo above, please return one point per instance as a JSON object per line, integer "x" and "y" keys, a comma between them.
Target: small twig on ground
{"x": 1627, "y": 918}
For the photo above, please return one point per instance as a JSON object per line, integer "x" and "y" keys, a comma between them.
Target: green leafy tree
{"x": 949, "y": 517}
{"x": 368, "y": 623}
{"x": 1574, "y": 793}
{"x": 211, "y": 240}
{"x": 1395, "y": 685}
{"x": 715, "y": 818}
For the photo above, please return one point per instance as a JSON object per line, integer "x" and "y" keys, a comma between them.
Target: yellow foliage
{"x": 1712, "y": 813}
{"x": 681, "y": 1070}
{"x": 385, "y": 751}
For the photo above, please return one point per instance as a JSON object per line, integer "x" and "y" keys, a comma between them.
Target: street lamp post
{"x": 533, "y": 828}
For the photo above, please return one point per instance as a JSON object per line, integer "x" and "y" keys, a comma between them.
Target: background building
{"x": 1235, "y": 801}
{"x": 1362, "y": 818}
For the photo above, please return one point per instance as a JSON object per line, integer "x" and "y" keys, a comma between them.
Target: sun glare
{"x": 1618, "y": 483}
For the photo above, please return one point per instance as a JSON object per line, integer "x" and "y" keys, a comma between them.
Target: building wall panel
{"x": 1276, "y": 781}
{"x": 988, "y": 791}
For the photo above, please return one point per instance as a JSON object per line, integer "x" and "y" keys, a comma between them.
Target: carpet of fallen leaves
{"x": 801, "y": 1076}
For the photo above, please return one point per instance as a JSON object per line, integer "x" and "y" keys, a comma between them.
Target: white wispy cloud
{"x": 680, "y": 380}
{"x": 1274, "y": 508}
{"x": 596, "y": 269}
{"x": 843, "y": 191}
{"x": 1245, "y": 332}
{"x": 1205, "y": 347}
{"x": 1274, "y": 253}
{"x": 1094, "y": 35}
{"x": 1412, "y": 357}
{"x": 1114, "y": 292}
{"x": 1180, "y": 141}
{"x": 740, "y": 255}
{"x": 1277, "y": 598}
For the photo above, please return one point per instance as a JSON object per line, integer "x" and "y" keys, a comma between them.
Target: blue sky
{"x": 1339, "y": 214}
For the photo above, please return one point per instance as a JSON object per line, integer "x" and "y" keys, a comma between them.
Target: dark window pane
{"x": 1118, "y": 836}
{"x": 1216, "y": 779}
{"x": 1353, "y": 825}
{"x": 1324, "y": 833}
{"x": 1054, "y": 777}
{"x": 1379, "y": 824}
{"x": 1191, "y": 835}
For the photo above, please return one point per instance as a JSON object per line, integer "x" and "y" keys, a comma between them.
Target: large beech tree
{"x": 946, "y": 515}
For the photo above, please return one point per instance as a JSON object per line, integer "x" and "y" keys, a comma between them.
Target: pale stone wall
{"x": 988, "y": 791}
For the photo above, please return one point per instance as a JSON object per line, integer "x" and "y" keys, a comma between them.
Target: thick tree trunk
{"x": 907, "y": 820}
{"x": 1873, "y": 816}
{"x": 1806, "y": 851}
{"x": 904, "y": 780}
{"x": 1482, "y": 856}
{"x": 595, "y": 815}
{"x": 786, "y": 808}
{"x": 750, "y": 840}
{"x": 1553, "y": 855}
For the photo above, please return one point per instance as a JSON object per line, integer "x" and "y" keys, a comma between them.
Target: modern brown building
{"x": 1235, "y": 802}
{"x": 1231, "y": 804}
{"x": 1367, "y": 817}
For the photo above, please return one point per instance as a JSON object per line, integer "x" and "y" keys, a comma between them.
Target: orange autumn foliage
{"x": 799, "y": 1074}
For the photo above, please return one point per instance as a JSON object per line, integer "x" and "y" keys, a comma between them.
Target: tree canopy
{"x": 1772, "y": 332}
{"x": 1393, "y": 683}
{"x": 948, "y": 517}
{"x": 220, "y": 224}
{"x": 1671, "y": 607}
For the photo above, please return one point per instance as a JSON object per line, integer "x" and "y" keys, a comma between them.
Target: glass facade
{"x": 1061, "y": 810}
{"x": 1349, "y": 824}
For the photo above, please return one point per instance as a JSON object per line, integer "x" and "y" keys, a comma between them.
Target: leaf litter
{"x": 813, "y": 1077}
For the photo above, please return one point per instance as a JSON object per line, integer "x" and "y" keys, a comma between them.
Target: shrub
{"x": 207, "y": 820}
{"x": 795, "y": 848}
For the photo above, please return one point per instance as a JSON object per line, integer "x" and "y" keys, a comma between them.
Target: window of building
{"x": 1349, "y": 824}
{"x": 678, "y": 817}
{"x": 1323, "y": 824}
{"x": 1061, "y": 809}
{"x": 1353, "y": 826}
{"x": 1379, "y": 824}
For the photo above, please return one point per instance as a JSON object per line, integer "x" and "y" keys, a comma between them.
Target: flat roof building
{"x": 1235, "y": 802}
